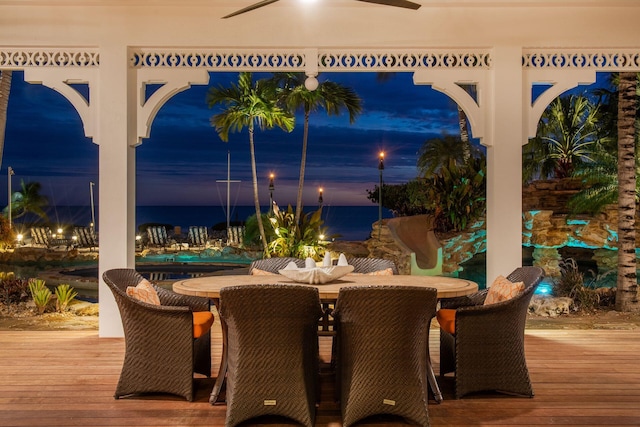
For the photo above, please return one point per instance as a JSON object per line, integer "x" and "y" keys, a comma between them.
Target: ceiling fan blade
{"x": 397, "y": 3}
{"x": 250, "y": 8}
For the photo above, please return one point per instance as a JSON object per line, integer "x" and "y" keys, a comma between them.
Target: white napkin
{"x": 291, "y": 266}
{"x": 326, "y": 262}
{"x": 309, "y": 263}
{"x": 342, "y": 260}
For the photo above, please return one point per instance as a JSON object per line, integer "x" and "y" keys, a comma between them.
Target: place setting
{"x": 313, "y": 274}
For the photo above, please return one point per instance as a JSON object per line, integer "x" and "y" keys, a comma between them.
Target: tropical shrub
{"x": 403, "y": 199}
{"x": 40, "y": 294}
{"x": 300, "y": 241}
{"x": 13, "y": 290}
{"x": 7, "y": 235}
{"x": 64, "y": 295}
{"x": 252, "y": 231}
{"x": 457, "y": 194}
{"x": 572, "y": 284}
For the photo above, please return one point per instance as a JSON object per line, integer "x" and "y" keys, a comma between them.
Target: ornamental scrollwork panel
{"x": 17, "y": 58}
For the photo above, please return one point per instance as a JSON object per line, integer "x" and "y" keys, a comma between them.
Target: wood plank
{"x": 67, "y": 378}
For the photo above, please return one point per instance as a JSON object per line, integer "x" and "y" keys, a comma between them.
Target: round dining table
{"x": 209, "y": 287}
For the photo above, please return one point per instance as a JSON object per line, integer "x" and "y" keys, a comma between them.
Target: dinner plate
{"x": 317, "y": 275}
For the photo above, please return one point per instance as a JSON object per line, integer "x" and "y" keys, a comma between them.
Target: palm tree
{"x": 249, "y": 104}
{"x": 28, "y": 200}
{"x": 330, "y": 96}
{"x": 437, "y": 153}
{"x": 627, "y": 285}
{"x": 567, "y": 137}
{"x": 5, "y": 87}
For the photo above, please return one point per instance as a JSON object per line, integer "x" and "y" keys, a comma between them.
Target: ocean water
{"x": 349, "y": 222}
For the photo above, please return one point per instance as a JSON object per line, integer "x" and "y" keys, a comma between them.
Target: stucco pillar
{"x": 117, "y": 134}
{"x": 504, "y": 163}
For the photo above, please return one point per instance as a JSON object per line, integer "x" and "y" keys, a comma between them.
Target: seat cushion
{"x": 503, "y": 289}
{"x": 258, "y": 272}
{"x": 447, "y": 319}
{"x": 202, "y": 321}
{"x": 144, "y": 292}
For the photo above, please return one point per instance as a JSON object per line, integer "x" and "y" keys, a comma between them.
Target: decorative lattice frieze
{"x": 297, "y": 60}
{"x": 48, "y": 57}
{"x": 601, "y": 60}
{"x": 402, "y": 60}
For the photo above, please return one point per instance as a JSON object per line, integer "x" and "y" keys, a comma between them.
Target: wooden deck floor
{"x": 67, "y": 378}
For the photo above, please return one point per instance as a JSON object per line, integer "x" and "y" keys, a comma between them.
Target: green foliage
{"x": 438, "y": 153}
{"x": 12, "y": 289}
{"x": 567, "y": 136}
{"x": 252, "y": 232}
{"x": 40, "y": 294}
{"x": 64, "y": 295}
{"x": 28, "y": 200}
{"x": 300, "y": 241}
{"x": 572, "y": 284}
{"x": 458, "y": 194}
{"x": 403, "y": 199}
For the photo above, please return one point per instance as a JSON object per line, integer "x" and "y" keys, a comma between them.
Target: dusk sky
{"x": 181, "y": 161}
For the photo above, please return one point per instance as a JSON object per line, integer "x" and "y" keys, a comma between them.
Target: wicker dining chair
{"x": 273, "y": 265}
{"x": 487, "y": 350}
{"x": 161, "y": 353}
{"x": 272, "y": 346}
{"x": 370, "y": 265}
{"x": 383, "y": 337}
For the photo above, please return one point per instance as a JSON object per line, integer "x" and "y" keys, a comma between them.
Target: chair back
{"x": 528, "y": 275}
{"x": 383, "y": 336}
{"x": 273, "y": 265}
{"x": 370, "y": 265}
{"x": 272, "y": 351}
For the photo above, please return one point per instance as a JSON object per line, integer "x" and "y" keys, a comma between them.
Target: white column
{"x": 117, "y": 135}
{"x": 504, "y": 164}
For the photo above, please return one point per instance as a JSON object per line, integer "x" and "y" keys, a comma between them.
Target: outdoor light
{"x": 320, "y": 199}
{"x": 10, "y": 172}
{"x": 138, "y": 237}
{"x": 19, "y": 238}
{"x": 74, "y": 238}
{"x": 311, "y": 83}
{"x": 93, "y": 208}
{"x": 271, "y": 188}
{"x": 380, "y": 168}
{"x": 321, "y": 237}
{"x": 59, "y": 230}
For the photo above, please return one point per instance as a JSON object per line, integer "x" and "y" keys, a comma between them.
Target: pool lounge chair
{"x": 85, "y": 238}
{"x": 41, "y": 236}
{"x": 157, "y": 235}
{"x": 198, "y": 236}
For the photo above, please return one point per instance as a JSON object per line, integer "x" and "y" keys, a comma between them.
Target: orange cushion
{"x": 202, "y": 321}
{"x": 503, "y": 289}
{"x": 258, "y": 272}
{"x": 447, "y": 319}
{"x": 144, "y": 292}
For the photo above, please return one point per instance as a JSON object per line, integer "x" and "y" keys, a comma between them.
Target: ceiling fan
{"x": 396, "y": 3}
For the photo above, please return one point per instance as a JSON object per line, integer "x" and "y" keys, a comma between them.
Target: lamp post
{"x": 10, "y": 173}
{"x": 380, "y": 168}
{"x": 93, "y": 213}
{"x": 271, "y": 188}
{"x": 320, "y": 199}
